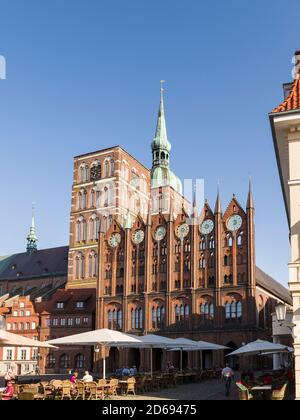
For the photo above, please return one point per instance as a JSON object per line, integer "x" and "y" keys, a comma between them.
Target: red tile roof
{"x": 292, "y": 102}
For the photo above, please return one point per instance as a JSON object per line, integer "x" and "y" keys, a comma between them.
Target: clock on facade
{"x": 114, "y": 240}
{"x": 160, "y": 233}
{"x": 234, "y": 223}
{"x": 96, "y": 173}
{"x": 207, "y": 227}
{"x": 182, "y": 231}
{"x": 138, "y": 237}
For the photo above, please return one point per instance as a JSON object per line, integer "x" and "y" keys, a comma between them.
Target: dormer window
{"x": 60, "y": 305}
{"x": 79, "y": 305}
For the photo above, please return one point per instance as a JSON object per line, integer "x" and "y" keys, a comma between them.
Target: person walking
{"x": 227, "y": 376}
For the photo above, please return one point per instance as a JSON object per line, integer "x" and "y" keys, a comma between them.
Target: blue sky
{"x": 84, "y": 75}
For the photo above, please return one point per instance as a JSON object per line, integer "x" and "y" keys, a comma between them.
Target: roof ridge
{"x": 292, "y": 102}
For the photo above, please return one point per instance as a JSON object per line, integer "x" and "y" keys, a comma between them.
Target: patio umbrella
{"x": 103, "y": 338}
{"x": 153, "y": 341}
{"x": 257, "y": 347}
{"x": 191, "y": 345}
{"x": 8, "y": 339}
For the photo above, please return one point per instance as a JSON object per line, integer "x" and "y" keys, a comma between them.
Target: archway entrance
{"x": 113, "y": 360}
{"x": 232, "y": 360}
{"x": 134, "y": 358}
{"x": 207, "y": 359}
{"x": 157, "y": 355}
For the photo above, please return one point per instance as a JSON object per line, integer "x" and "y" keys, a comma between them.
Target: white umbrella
{"x": 103, "y": 338}
{"x": 152, "y": 341}
{"x": 191, "y": 345}
{"x": 258, "y": 347}
{"x": 8, "y": 339}
{"x": 182, "y": 344}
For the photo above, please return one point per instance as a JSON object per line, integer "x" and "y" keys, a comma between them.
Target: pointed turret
{"x": 250, "y": 201}
{"x": 195, "y": 210}
{"x": 32, "y": 238}
{"x": 161, "y": 146}
{"x": 218, "y": 208}
{"x": 162, "y": 175}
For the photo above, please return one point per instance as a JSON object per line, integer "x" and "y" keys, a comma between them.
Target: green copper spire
{"x": 32, "y": 238}
{"x": 161, "y": 175}
{"x": 161, "y": 147}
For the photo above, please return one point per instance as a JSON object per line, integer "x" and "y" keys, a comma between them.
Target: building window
{"x": 9, "y": 354}
{"x": 23, "y": 355}
{"x": 85, "y": 321}
{"x": 15, "y": 313}
{"x": 60, "y": 305}
{"x": 27, "y": 313}
{"x": 79, "y": 361}
{"x": 21, "y": 326}
{"x": 33, "y": 326}
{"x": 55, "y": 322}
{"x": 70, "y": 322}
{"x": 8, "y": 327}
{"x": 79, "y": 305}
{"x": 64, "y": 361}
{"x": 50, "y": 361}
{"x": 28, "y": 326}
{"x": 78, "y": 321}
{"x": 63, "y": 322}
{"x": 136, "y": 319}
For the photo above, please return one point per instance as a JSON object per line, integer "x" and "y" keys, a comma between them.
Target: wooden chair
{"x": 112, "y": 390}
{"x": 279, "y": 394}
{"x": 66, "y": 390}
{"x": 244, "y": 393}
{"x": 131, "y": 386}
{"x": 140, "y": 384}
{"x": 91, "y": 389}
{"x": 80, "y": 390}
{"x": 25, "y": 396}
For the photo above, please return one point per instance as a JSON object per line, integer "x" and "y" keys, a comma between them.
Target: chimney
{"x": 296, "y": 69}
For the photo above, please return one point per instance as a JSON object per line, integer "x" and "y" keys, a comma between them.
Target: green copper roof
{"x": 162, "y": 177}
{"x": 161, "y": 138}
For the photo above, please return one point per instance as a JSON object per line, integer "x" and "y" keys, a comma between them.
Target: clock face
{"x": 207, "y": 227}
{"x": 96, "y": 173}
{"x": 160, "y": 233}
{"x": 234, "y": 223}
{"x": 114, "y": 240}
{"x": 182, "y": 231}
{"x": 138, "y": 237}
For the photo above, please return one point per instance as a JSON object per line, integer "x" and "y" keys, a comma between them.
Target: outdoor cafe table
{"x": 264, "y": 390}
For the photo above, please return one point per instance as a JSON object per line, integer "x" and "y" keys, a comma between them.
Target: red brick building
{"x": 68, "y": 312}
{"x": 160, "y": 267}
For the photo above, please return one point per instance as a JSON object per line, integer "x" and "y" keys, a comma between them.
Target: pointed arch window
{"x": 106, "y": 166}
{"x": 177, "y": 313}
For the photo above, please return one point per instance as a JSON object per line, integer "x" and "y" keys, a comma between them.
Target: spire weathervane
{"x": 32, "y": 238}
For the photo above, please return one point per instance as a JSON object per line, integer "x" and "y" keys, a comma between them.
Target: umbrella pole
{"x": 181, "y": 360}
{"x": 151, "y": 362}
{"x": 104, "y": 362}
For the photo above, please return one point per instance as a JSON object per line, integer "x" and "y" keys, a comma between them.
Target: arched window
{"x": 110, "y": 320}
{"x": 93, "y": 198}
{"x": 239, "y": 310}
{"x": 78, "y": 231}
{"x": 64, "y": 361}
{"x": 84, "y": 230}
{"x": 226, "y": 260}
{"x": 154, "y": 317}
{"x": 186, "y": 312}
{"x": 227, "y": 311}
{"x": 50, "y": 361}
{"x": 229, "y": 241}
{"x": 80, "y": 266}
{"x": 106, "y": 166}
{"x": 105, "y": 197}
{"x": 112, "y": 167}
{"x": 79, "y": 361}
{"x": 240, "y": 240}
{"x": 177, "y": 313}
{"x": 120, "y": 319}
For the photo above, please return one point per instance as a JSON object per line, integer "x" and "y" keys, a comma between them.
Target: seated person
{"x": 87, "y": 377}
{"x": 9, "y": 392}
{"x": 125, "y": 372}
{"x": 73, "y": 378}
{"x": 133, "y": 371}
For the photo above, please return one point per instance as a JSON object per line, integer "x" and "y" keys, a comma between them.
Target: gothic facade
{"x": 159, "y": 266}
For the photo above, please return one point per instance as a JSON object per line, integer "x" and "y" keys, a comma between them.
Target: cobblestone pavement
{"x": 206, "y": 390}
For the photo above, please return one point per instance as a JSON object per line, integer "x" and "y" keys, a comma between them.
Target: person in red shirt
{"x": 9, "y": 392}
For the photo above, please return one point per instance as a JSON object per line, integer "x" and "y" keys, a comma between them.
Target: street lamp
{"x": 280, "y": 309}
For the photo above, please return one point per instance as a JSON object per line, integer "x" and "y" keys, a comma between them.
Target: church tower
{"x": 32, "y": 238}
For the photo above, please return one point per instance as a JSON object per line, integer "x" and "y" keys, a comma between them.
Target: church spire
{"x": 32, "y": 238}
{"x": 161, "y": 147}
{"x": 250, "y": 201}
{"x": 218, "y": 208}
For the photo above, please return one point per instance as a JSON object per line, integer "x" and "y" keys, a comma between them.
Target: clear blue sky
{"x": 84, "y": 75}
